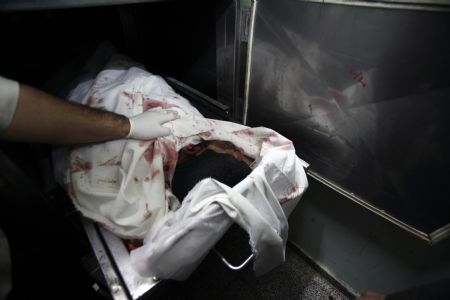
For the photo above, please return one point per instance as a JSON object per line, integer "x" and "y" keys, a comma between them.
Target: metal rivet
{"x": 115, "y": 289}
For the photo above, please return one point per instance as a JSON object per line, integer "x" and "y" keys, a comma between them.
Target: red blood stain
{"x": 150, "y": 103}
{"x": 293, "y": 192}
{"x": 79, "y": 165}
{"x": 205, "y": 134}
{"x": 111, "y": 162}
{"x": 133, "y": 244}
{"x": 170, "y": 157}
{"x": 128, "y": 95}
{"x": 357, "y": 76}
{"x": 90, "y": 101}
{"x": 267, "y": 137}
{"x": 247, "y": 132}
{"x": 149, "y": 153}
{"x": 147, "y": 213}
{"x": 238, "y": 154}
{"x": 155, "y": 173}
{"x": 181, "y": 140}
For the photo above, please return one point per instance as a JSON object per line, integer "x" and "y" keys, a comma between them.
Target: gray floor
{"x": 295, "y": 279}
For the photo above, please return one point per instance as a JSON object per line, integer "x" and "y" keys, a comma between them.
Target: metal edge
{"x": 236, "y": 44}
{"x": 249, "y": 61}
{"x": 324, "y": 271}
{"x": 206, "y": 98}
{"x": 423, "y": 236}
{"x": 384, "y": 4}
{"x": 115, "y": 284}
{"x": 440, "y": 234}
{"x": 136, "y": 284}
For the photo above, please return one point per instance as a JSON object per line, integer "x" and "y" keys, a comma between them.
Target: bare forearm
{"x": 43, "y": 118}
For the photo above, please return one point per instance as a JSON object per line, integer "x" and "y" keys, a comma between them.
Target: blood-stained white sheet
{"x": 125, "y": 184}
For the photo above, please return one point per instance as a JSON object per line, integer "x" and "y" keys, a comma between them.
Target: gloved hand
{"x": 147, "y": 126}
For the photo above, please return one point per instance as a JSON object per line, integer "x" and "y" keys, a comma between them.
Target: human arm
{"x": 40, "y": 117}
{"x": 371, "y": 296}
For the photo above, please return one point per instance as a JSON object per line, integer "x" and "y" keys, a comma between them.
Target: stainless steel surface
{"x": 136, "y": 284}
{"x": 372, "y": 208}
{"x": 17, "y": 5}
{"x": 360, "y": 249}
{"x": 232, "y": 36}
{"x": 225, "y": 50}
{"x": 248, "y": 68}
{"x": 229, "y": 265}
{"x": 439, "y": 2}
{"x": 427, "y": 5}
{"x": 363, "y": 92}
{"x": 114, "y": 259}
{"x": 115, "y": 284}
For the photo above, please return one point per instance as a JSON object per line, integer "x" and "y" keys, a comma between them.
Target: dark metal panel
{"x": 21, "y": 5}
{"x": 428, "y": 5}
{"x": 232, "y": 29}
{"x": 364, "y": 93}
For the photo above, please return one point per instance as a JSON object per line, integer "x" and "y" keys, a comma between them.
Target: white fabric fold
{"x": 175, "y": 246}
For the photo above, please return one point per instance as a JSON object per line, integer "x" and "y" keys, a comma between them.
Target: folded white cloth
{"x": 175, "y": 246}
{"x": 125, "y": 184}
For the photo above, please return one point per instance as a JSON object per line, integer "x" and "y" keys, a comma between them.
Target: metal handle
{"x": 234, "y": 268}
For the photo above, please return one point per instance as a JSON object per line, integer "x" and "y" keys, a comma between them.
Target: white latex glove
{"x": 148, "y": 125}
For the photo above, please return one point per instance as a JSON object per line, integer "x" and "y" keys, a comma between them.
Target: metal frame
{"x": 431, "y": 238}
{"x": 234, "y": 37}
{"x": 425, "y": 5}
{"x": 114, "y": 260}
{"x": 116, "y": 285}
{"x": 249, "y": 59}
{"x": 199, "y": 97}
